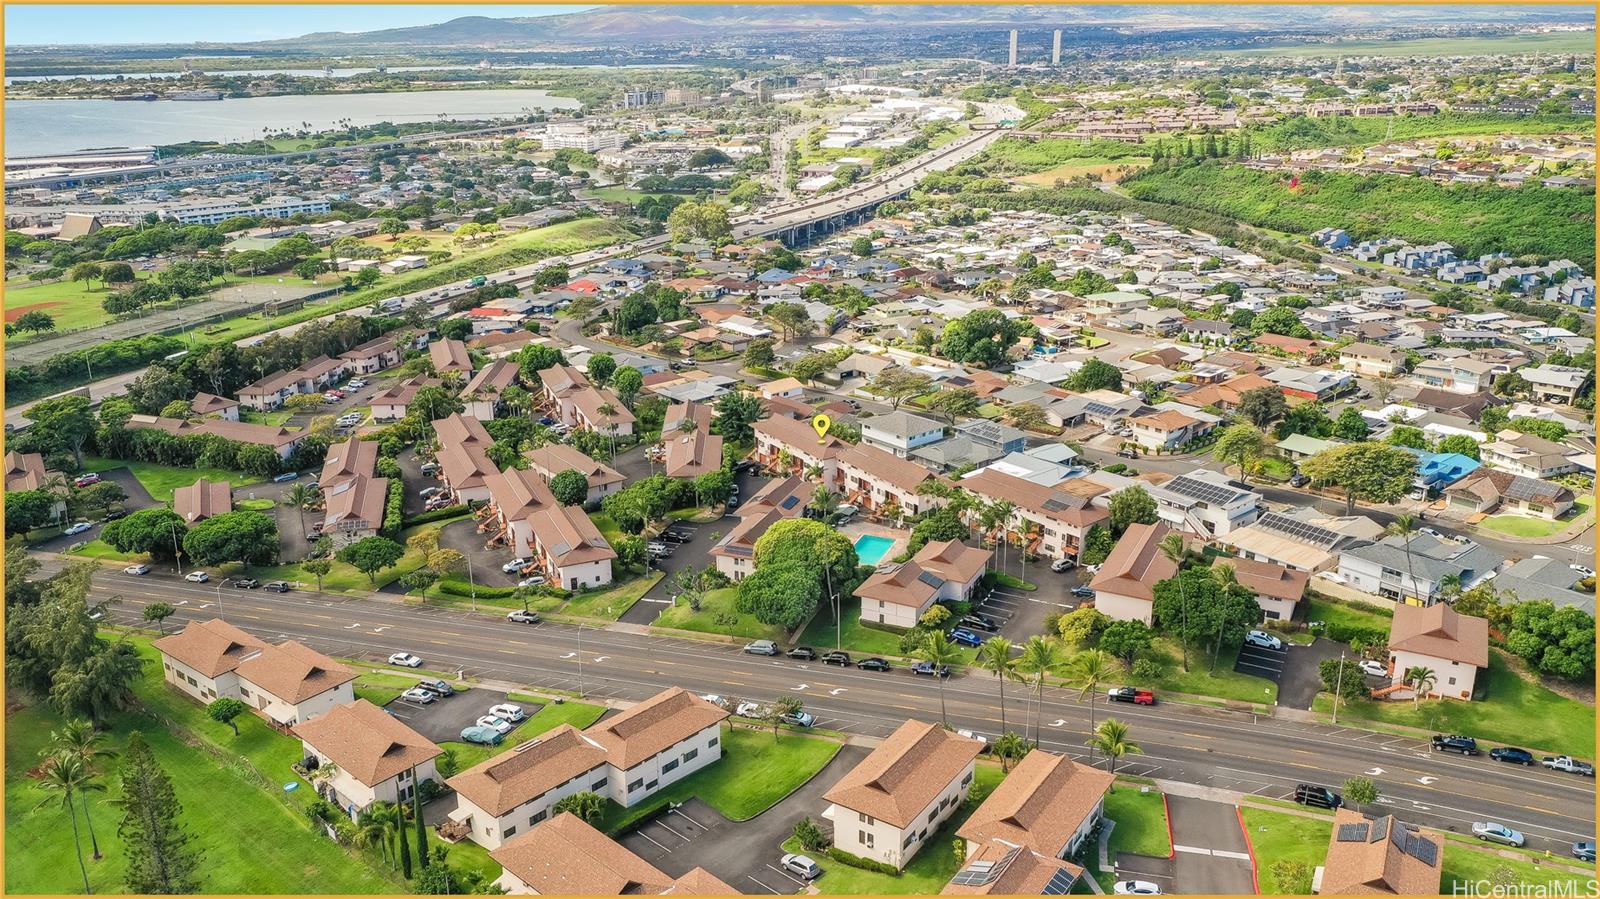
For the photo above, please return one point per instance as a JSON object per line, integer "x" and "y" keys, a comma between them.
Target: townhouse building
{"x": 1051, "y": 521}
{"x": 1206, "y": 503}
{"x": 880, "y": 482}
{"x": 900, "y": 432}
{"x": 1412, "y": 570}
{"x": 898, "y": 593}
{"x": 1124, "y": 585}
{"x": 782, "y": 498}
{"x": 373, "y": 756}
{"x": 554, "y": 458}
{"x": 567, "y": 856}
{"x": 285, "y": 684}
{"x": 203, "y": 499}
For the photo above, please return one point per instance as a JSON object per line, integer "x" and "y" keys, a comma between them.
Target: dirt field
{"x": 1105, "y": 171}
{"x": 16, "y": 313}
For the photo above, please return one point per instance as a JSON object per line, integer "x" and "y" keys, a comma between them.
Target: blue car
{"x": 965, "y": 637}
{"x": 286, "y": 476}
{"x": 485, "y": 736}
{"x": 1583, "y": 851}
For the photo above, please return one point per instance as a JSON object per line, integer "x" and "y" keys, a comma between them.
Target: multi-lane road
{"x": 1188, "y": 743}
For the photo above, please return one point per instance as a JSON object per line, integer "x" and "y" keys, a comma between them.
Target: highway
{"x": 1182, "y": 742}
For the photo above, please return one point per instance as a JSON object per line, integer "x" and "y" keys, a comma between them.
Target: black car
{"x": 1511, "y": 754}
{"x": 115, "y": 514}
{"x": 1127, "y": 454}
{"x": 873, "y": 664}
{"x": 246, "y": 583}
{"x": 1321, "y": 797}
{"x": 928, "y": 669}
{"x": 1455, "y": 743}
{"x": 278, "y": 587}
{"x": 803, "y": 653}
{"x": 836, "y": 657}
{"x": 1081, "y": 590}
{"x": 981, "y": 622}
{"x": 676, "y": 536}
{"x": 1299, "y": 480}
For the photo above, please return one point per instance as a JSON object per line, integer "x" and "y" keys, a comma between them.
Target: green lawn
{"x": 857, "y": 637}
{"x": 1525, "y": 526}
{"x": 717, "y": 615}
{"x": 272, "y": 419}
{"x": 97, "y": 549}
{"x": 161, "y": 480}
{"x": 1514, "y": 711}
{"x": 1276, "y": 836}
{"x": 1564, "y": 42}
{"x": 380, "y": 688}
{"x": 610, "y": 603}
{"x": 552, "y": 716}
{"x": 72, "y": 304}
{"x": 756, "y": 770}
{"x": 1466, "y": 864}
{"x": 1200, "y": 680}
{"x": 1141, "y": 821}
{"x": 929, "y": 870}
{"x": 345, "y": 578}
{"x": 1338, "y": 613}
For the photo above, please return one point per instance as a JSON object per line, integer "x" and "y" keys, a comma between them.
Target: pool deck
{"x": 901, "y": 538}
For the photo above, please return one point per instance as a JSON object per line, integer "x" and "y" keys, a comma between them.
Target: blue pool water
{"x": 870, "y": 549}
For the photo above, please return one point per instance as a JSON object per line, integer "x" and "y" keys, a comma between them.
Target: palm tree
{"x": 994, "y": 656}
{"x": 1088, "y": 670}
{"x": 80, "y": 740}
{"x": 1171, "y": 547}
{"x": 1003, "y": 510}
{"x": 1111, "y": 738}
{"x": 67, "y": 774}
{"x": 372, "y": 829}
{"x": 1008, "y": 749}
{"x": 1403, "y": 527}
{"x": 814, "y": 472}
{"x": 1422, "y": 680}
{"x": 823, "y": 501}
{"x": 587, "y": 805}
{"x": 300, "y": 495}
{"x": 1039, "y": 655}
{"x": 938, "y": 651}
{"x": 1224, "y": 574}
{"x": 609, "y": 411}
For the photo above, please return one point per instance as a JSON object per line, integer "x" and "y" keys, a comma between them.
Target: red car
{"x": 1131, "y": 694}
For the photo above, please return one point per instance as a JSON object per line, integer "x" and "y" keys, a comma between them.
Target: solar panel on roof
{"x": 1527, "y": 488}
{"x": 1098, "y": 408}
{"x": 931, "y": 579}
{"x": 1423, "y": 850}
{"x": 1305, "y": 532}
{"x": 1204, "y": 491}
{"x": 789, "y": 502}
{"x": 1352, "y": 833}
{"x": 1060, "y": 883}
{"x": 1380, "y": 828}
{"x": 976, "y": 874}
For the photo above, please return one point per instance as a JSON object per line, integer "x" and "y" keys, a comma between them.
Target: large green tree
{"x": 981, "y": 337}
{"x": 1368, "y": 471}
{"x": 737, "y": 411}
{"x": 248, "y": 537}
{"x": 372, "y": 555}
{"x": 1131, "y": 505}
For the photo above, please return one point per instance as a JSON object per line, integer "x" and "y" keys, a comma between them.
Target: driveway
{"x": 1210, "y": 854}
{"x": 1301, "y": 677}
{"x": 443, "y": 719}
{"x": 744, "y": 854}
{"x": 1262, "y": 662}
{"x": 463, "y": 537}
{"x": 1021, "y": 613}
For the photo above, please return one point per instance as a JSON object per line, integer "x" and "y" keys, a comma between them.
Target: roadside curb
{"x": 1255, "y": 877}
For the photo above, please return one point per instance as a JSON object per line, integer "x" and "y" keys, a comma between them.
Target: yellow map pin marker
{"x": 821, "y": 424}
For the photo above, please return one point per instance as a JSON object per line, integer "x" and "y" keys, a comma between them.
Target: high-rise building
{"x": 1055, "y": 49}
{"x": 640, "y": 97}
{"x": 1013, "y": 48}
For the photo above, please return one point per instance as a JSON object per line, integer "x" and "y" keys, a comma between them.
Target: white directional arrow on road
{"x": 601, "y": 658}
{"x": 1425, "y": 780}
{"x": 570, "y": 655}
{"x": 1374, "y": 772}
{"x": 183, "y": 602}
{"x": 836, "y": 692}
{"x": 380, "y": 629}
{"x": 799, "y": 686}
{"x": 1058, "y": 722}
{"x": 352, "y": 626}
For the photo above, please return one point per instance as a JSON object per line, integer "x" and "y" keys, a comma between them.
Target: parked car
{"x": 1583, "y": 850}
{"x": 1263, "y": 640}
{"x": 114, "y": 514}
{"x": 1568, "y": 764}
{"x": 1127, "y": 454}
{"x": 965, "y": 637}
{"x": 1455, "y": 743}
{"x": 1299, "y": 480}
{"x": 1511, "y": 754}
{"x": 85, "y": 480}
{"x": 980, "y": 622}
{"x": 1135, "y": 695}
{"x": 797, "y": 719}
{"x": 1083, "y": 592}
{"x": 1061, "y": 565}
{"x": 803, "y": 653}
{"x": 498, "y": 723}
{"x": 1495, "y": 832}
{"x": 676, "y": 536}
{"x": 1374, "y": 668}
{"x": 536, "y": 580}
{"x": 762, "y": 648}
{"x": 197, "y": 577}
{"x": 77, "y": 528}
{"x": 748, "y": 710}
{"x": 518, "y": 616}
{"x": 437, "y": 687}
{"x": 874, "y": 663}
{"x": 277, "y": 587}
{"x": 405, "y": 659}
{"x": 245, "y": 583}
{"x": 286, "y": 477}
{"x": 720, "y": 702}
{"x": 801, "y": 866}
{"x": 357, "y": 383}
{"x": 509, "y": 711}
{"x": 1321, "y": 797}
{"x": 1135, "y": 888}
{"x": 928, "y": 669}
{"x": 836, "y": 657}
{"x": 846, "y": 510}
{"x": 137, "y": 568}
{"x": 515, "y": 565}
{"x": 1584, "y": 570}
{"x": 417, "y": 694}
{"x": 484, "y": 736}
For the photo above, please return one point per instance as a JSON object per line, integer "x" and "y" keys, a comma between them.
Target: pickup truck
{"x": 1455, "y": 743}
{"x": 1569, "y": 764}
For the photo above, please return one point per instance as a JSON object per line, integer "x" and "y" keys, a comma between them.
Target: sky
{"x": 104, "y": 24}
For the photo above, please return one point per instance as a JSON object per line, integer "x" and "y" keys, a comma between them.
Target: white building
{"x": 374, "y": 757}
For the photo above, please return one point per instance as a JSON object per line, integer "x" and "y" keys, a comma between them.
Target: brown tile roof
{"x": 902, "y": 474}
{"x": 693, "y": 454}
{"x": 559, "y": 379}
{"x": 518, "y": 492}
{"x": 590, "y": 400}
{"x": 565, "y": 856}
{"x": 203, "y": 499}
{"x": 458, "y": 430}
{"x": 501, "y": 783}
{"x": 699, "y": 881}
{"x": 901, "y": 584}
{"x": 554, "y": 458}
{"x": 366, "y": 742}
{"x": 294, "y": 672}
{"x": 244, "y": 432}
{"x": 797, "y": 435}
{"x": 1010, "y": 871}
{"x": 1381, "y": 856}
{"x": 653, "y": 725}
{"x": 906, "y": 773}
{"x": 1442, "y": 632}
{"x": 347, "y": 459}
{"x": 450, "y": 355}
{"x": 371, "y": 349}
{"x": 24, "y": 471}
{"x": 1068, "y": 503}
{"x": 953, "y": 560}
{"x": 567, "y": 535}
{"x": 1267, "y": 579}
{"x": 1136, "y": 564}
{"x": 491, "y": 380}
{"x": 1492, "y": 484}
{"x": 1166, "y": 420}
{"x": 210, "y": 404}
{"x": 359, "y": 501}
{"x": 1040, "y": 804}
{"x": 700, "y": 413}
{"x": 403, "y": 393}
{"x": 210, "y": 647}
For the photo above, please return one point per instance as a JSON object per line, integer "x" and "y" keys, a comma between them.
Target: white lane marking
{"x": 836, "y": 691}
{"x": 647, "y": 836}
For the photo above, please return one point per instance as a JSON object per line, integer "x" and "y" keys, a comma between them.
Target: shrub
{"x": 438, "y": 514}
{"x": 811, "y": 837}
{"x": 394, "y": 509}
{"x": 865, "y": 864}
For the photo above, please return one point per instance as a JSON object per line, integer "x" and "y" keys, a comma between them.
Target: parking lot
{"x": 443, "y": 719}
{"x": 745, "y": 854}
{"x": 1021, "y": 613}
{"x": 1295, "y": 669}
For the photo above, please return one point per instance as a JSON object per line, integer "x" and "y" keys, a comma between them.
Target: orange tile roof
{"x": 906, "y": 773}
{"x": 366, "y": 742}
{"x": 1136, "y": 565}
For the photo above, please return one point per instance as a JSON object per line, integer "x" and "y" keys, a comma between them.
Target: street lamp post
{"x": 1338, "y": 684}
{"x": 177, "y": 551}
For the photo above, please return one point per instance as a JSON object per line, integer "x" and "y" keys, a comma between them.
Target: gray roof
{"x": 955, "y": 452}
{"x": 902, "y": 424}
{"x": 1430, "y": 559}
{"x": 1548, "y": 579}
{"x": 990, "y": 432}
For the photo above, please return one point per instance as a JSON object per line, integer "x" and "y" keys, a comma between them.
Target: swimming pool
{"x": 871, "y": 548}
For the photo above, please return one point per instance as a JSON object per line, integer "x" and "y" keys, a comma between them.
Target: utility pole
{"x": 1338, "y": 684}
{"x": 177, "y": 551}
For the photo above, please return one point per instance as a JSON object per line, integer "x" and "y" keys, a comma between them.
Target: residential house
{"x": 1540, "y": 577}
{"x": 554, "y": 458}
{"x": 1052, "y": 521}
{"x": 789, "y": 446}
{"x": 1206, "y": 503}
{"x": 1451, "y": 645}
{"x": 785, "y": 387}
{"x": 1487, "y": 490}
{"x": 26, "y": 472}
{"x": 1167, "y": 430}
{"x": 1278, "y": 589}
{"x": 1302, "y": 539}
{"x": 1372, "y": 360}
{"x": 900, "y": 432}
{"x": 880, "y": 482}
{"x": 781, "y": 498}
{"x": 689, "y": 447}
{"x": 483, "y": 396}
{"x": 373, "y": 756}
{"x": 581, "y": 405}
{"x": 203, "y": 659}
{"x": 1529, "y": 455}
{"x": 567, "y": 856}
{"x": 203, "y": 499}
{"x": 280, "y": 440}
{"x": 1208, "y": 331}
{"x": 1048, "y": 804}
{"x": 372, "y": 356}
{"x": 898, "y": 593}
{"x": 627, "y": 758}
{"x": 996, "y": 868}
{"x": 450, "y": 356}
{"x": 887, "y": 806}
{"x": 1555, "y": 383}
{"x": 1378, "y": 857}
{"x": 354, "y": 509}
{"x": 1461, "y": 374}
{"x": 1124, "y": 585}
{"x": 463, "y": 458}
{"x": 208, "y": 405}
{"x": 1411, "y": 570}
{"x": 1114, "y": 303}
{"x": 570, "y": 548}
{"x": 290, "y": 683}
{"x": 348, "y": 459}
{"x": 1303, "y": 446}
{"x": 393, "y": 402}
